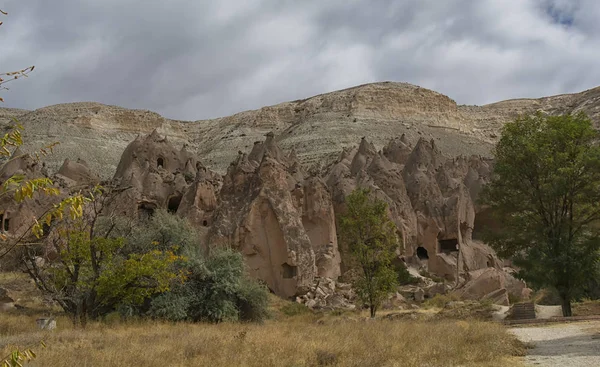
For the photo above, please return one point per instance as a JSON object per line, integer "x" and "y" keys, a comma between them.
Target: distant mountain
{"x": 317, "y": 128}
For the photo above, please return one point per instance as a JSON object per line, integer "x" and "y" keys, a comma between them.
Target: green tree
{"x": 97, "y": 273}
{"x": 371, "y": 238}
{"x": 545, "y": 191}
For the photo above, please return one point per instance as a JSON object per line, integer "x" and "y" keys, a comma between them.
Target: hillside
{"x": 317, "y": 127}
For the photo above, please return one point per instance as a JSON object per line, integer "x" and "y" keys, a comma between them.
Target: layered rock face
{"x": 317, "y": 128}
{"x": 283, "y": 224}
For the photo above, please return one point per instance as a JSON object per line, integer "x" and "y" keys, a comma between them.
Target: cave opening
{"x": 173, "y": 204}
{"x": 4, "y": 223}
{"x": 205, "y": 223}
{"x": 422, "y": 253}
{"x": 289, "y": 271}
{"x": 146, "y": 210}
{"x": 160, "y": 162}
{"x": 450, "y": 245}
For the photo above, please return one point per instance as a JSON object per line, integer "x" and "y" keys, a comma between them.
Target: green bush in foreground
{"x": 217, "y": 289}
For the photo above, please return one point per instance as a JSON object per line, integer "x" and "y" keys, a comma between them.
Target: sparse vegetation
{"x": 440, "y": 300}
{"x": 404, "y": 277}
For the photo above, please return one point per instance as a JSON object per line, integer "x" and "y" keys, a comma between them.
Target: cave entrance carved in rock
{"x": 422, "y": 253}
{"x": 289, "y": 271}
{"x": 173, "y": 204}
{"x": 146, "y": 210}
{"x": 449, "y": 245}
{"x": 4, "y": 223}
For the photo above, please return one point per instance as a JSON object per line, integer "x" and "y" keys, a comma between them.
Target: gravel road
{"x": 572, "y": 344}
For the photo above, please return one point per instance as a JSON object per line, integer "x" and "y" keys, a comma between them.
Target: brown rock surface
{"x": 283, "y": 224}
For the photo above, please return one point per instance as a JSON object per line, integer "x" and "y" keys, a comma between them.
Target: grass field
{"x": 296, "y": 341}
{"x": 294, "y": 336}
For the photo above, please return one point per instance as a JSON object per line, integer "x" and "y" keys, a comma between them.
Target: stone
{"x": 435, "y": 289}
{"x": 282, "y": 222}
{"x": 6, "y": 302}
{"x": 46, "y": 323}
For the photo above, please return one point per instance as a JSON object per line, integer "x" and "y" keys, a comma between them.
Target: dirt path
{"x": 572, "y": 344}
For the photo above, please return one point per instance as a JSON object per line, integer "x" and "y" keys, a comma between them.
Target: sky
{"x": 199, "y": 59}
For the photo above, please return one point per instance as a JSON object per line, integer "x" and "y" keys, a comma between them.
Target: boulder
{"x": 6, "y": 302}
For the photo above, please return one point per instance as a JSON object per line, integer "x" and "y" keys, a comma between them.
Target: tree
{"x": 372, "y": 240}
{"x": 95, "y": 272}
{"x": 545, "y": 191}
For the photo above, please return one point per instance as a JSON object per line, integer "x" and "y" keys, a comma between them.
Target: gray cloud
{"x": 201, "y": 59}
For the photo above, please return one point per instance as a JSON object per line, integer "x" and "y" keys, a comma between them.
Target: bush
{"x": 217, "y": 290}
{"x": 404, "y": 276}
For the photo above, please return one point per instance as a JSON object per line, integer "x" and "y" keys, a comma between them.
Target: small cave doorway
{"x": 289, "y": 271}
{"x": 173, "y": 204}
{"x": 422, "y": 253}
{"x": 4, "y": 223}
{"x": 146, "y": 210}
{"x": 449, "y": 245}
{"x": 160, "y": 162}
{"x": 205, "y": 223}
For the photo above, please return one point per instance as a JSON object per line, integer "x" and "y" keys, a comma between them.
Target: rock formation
{"x": 153, "y": 174}
{"x": 278, "y": 215}
{"x": 318, "y": 128}
{"x": 282, "y": 223}
{"x": 430, "y": 199}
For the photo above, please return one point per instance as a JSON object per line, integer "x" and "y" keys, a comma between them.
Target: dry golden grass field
{"x": 293, "y": 337}
{"x": 294, "y": 342}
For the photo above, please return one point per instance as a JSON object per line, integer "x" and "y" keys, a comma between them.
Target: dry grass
{"x": 586, "y": 308}
{"x": 294, "y": 342}
{"x": 295, "y": 336}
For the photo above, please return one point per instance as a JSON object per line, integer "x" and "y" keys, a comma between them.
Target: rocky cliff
{"x": 317, "y": 128}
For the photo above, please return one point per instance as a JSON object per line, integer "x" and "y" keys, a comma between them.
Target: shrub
{"x": 217, "y": 289}
{"x": 404, "y": 276}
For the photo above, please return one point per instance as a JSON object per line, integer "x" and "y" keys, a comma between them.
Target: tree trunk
{"x": 372, "y": 309}
{"x": 566, "y": 307}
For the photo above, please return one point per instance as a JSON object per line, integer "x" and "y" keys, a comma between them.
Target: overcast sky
{"x": 196, "y": 59}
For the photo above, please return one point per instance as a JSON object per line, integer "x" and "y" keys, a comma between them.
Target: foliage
{"x": 371, "y": 237}
{"x": 545, "y": 191}
{"x": 404, "y": 276}
{"x": 217, "y": 289}
{"x": 96, "y": 275}
{"x": 162, "y": 231}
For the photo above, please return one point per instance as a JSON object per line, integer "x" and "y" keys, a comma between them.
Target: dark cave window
{"x": 450, "y": 245}
{"x": 160, "y": 162}
{"x": 205, "y": 223}
{"x": 146, "y": 210}
{"x": 173, "y": 204}
{"x": 289, "y": 271}
{"x": 4, "y": 223}
{"x": 422, "y": 253}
